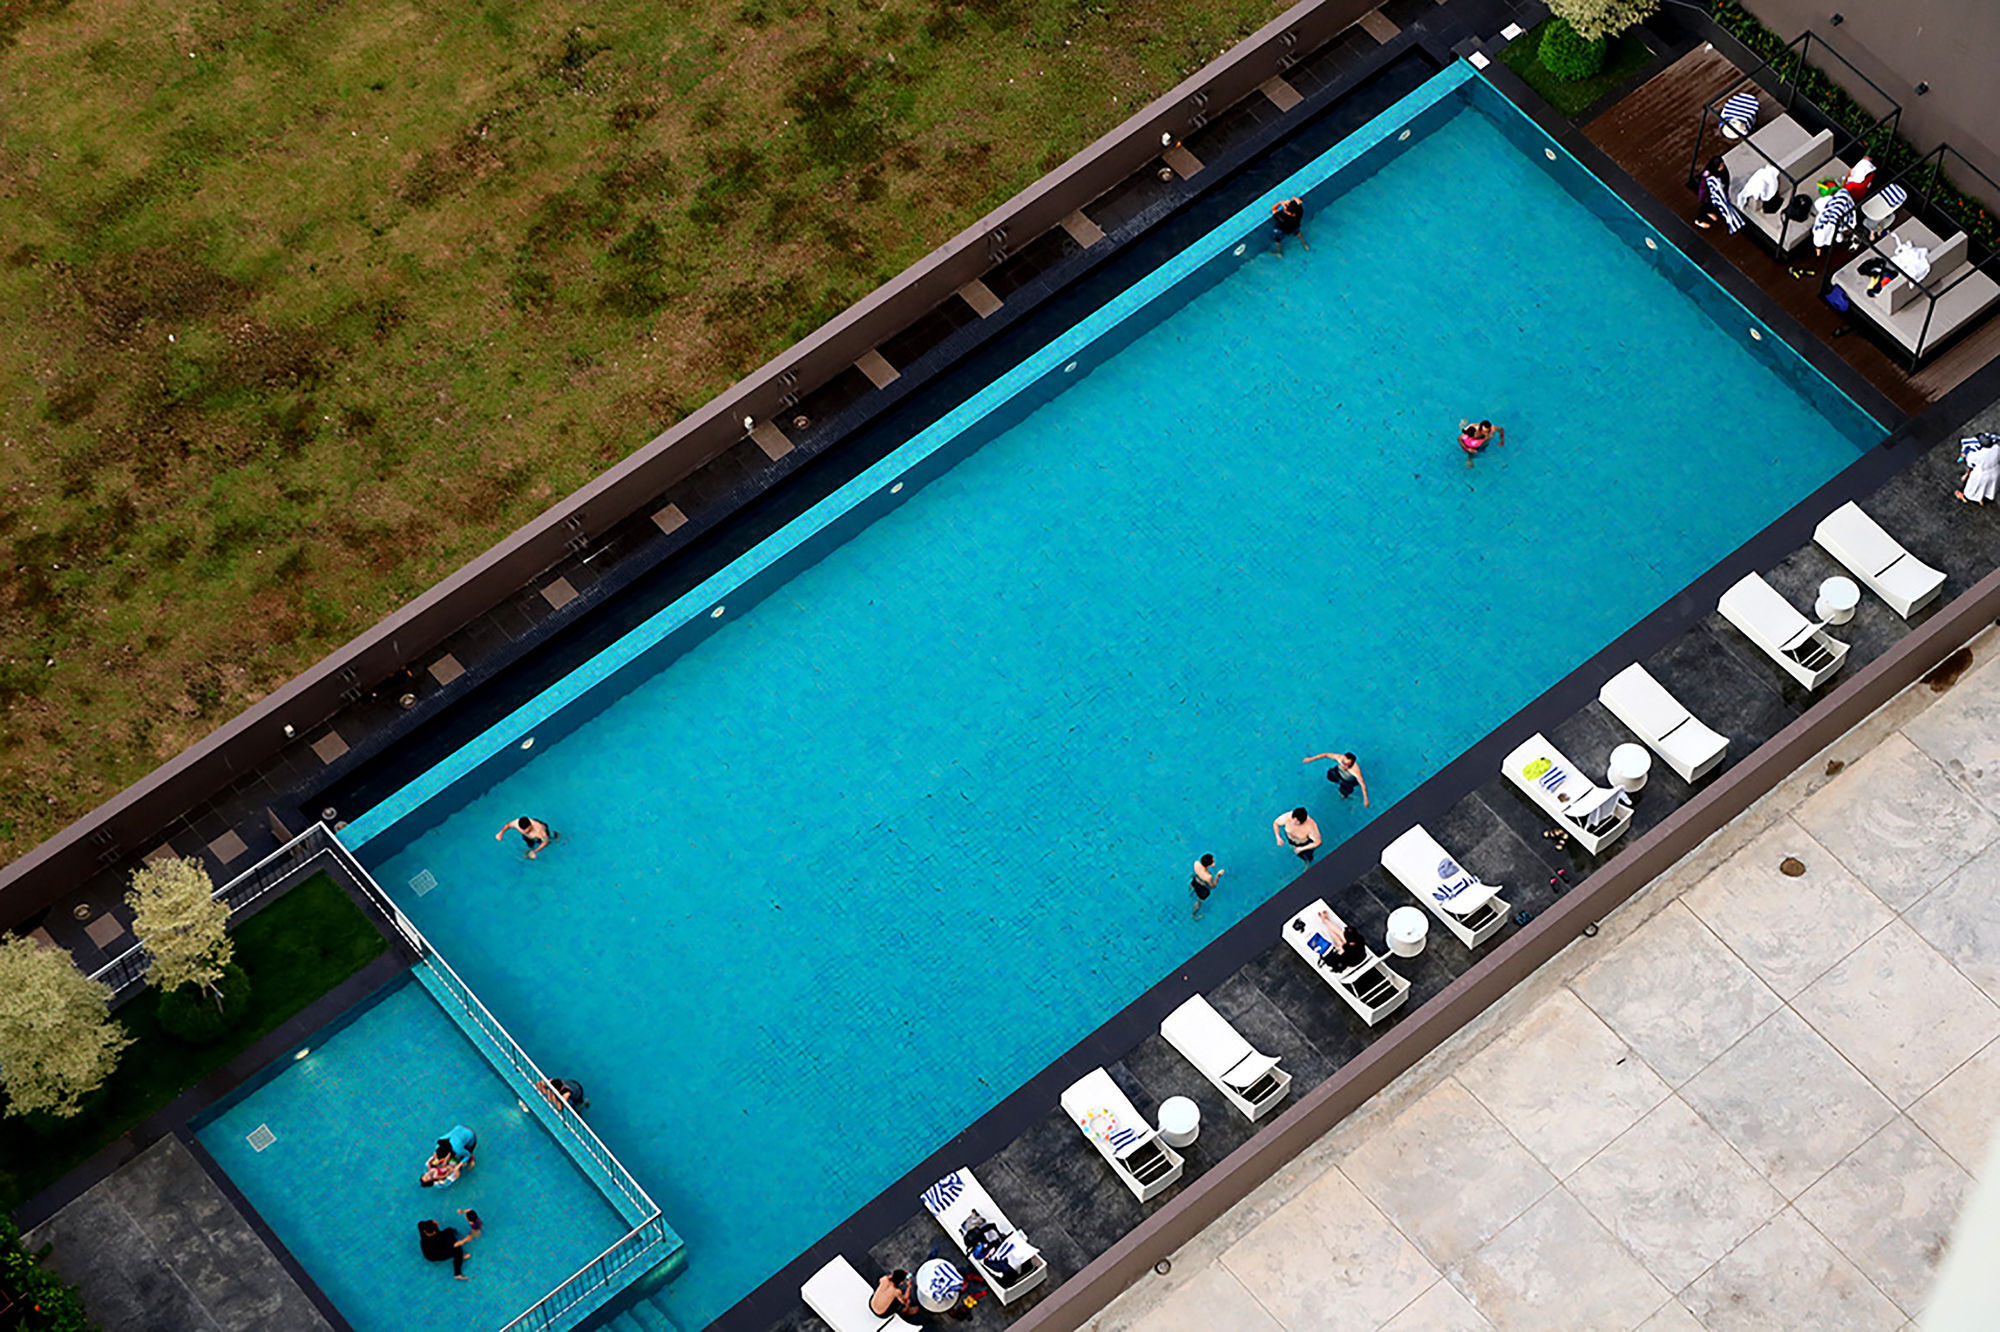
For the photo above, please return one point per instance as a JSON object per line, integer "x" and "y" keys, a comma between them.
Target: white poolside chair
{"x": 840, "y": 1295}
{"x": 1371, "y": 987}
{"x": 1690, "y": 748}
{"x": 1595, "y": 815}
{"x": 953, "y": 1200}
{"x": 1469, "y": 908}
{"x": 1250, "y": 1081}
{"x": 1129, "y": 1145}
{"x": 1802, "y": 647}
{"x": 1878, "y": 560}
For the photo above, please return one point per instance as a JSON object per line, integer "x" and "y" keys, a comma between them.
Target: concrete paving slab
{"x": 1962, "y": 732}
{"x": 1439, "y": 1309}
{"x": 1563, "y": 1083}
{"x": 1328, "y": 1257}
{"x": 1898, "y": 822}
{"x": 1900, "y": 1013}
{"x": 1447, "y": 1173}
{"x": 1557, "y": 1267}
{"x": 1675, "y": 994}
{"x": 1961, "y": 919}
{"x": 1789, "y": 1103}
{"x": 1890, "y": 1208}
{"x": 1959, "y": 1113}
{"x": 1675, "y": 1193}
{"x": 1788, "y": 1275}
{"x": 1214, "y": 1298}
{"x": 1790, "y": 930}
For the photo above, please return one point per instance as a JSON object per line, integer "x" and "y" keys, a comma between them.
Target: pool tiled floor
{"x": 1754, "y": 1100}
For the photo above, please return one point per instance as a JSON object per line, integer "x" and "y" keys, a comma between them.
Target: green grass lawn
{"x": 1627, "y": 54}
{"x": 295, "y": 950}
{"x": 307, "y": 304}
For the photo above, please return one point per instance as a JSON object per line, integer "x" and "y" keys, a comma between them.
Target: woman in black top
{"x": 446, "y": 1243}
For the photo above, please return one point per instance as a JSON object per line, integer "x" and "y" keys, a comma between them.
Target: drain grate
{"x": 423, "y": 883}
{"x": 261, "y": 1137}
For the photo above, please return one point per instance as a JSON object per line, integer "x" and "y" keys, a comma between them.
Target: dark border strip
{"x": 293, "y": 1268}
{"x": 1512, "y": 961}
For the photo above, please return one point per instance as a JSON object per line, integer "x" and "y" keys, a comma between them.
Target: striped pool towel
{"x": 1742, "y": 109}
{"x": 1553, "y": 779}
{"x": 939, "y": 1197}
{"x": 1717, "y": 195}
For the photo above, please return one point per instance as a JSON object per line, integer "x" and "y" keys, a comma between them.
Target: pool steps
{"x": 644, "y": 1316}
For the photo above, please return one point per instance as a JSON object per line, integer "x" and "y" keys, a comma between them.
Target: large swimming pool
{"x": 862, "y": 833}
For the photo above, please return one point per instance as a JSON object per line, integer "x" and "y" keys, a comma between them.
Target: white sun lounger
{"x": 1128, "y": 1144}
{"x": 1802, "y": 647}
{"x": 1690, "y": 748}
{"x": 840, "y": 1295}
{"x": 957, "y": 1196}
{"x": 1878, "y": 560}
{"x": 1469, "y": 908}
{"x": 1595, "y": 815}
{"x": 1250, "y": 1081}
{"x": 1371, "y": 987}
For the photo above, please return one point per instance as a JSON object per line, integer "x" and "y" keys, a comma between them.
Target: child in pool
{"x": 1474, "y": 438}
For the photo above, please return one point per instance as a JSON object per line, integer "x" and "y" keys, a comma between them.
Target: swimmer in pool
{"x": 1206, "y": 873}
{"x": 1474, "y": 438}
{"x": 533, "y": 831}
{"x": 1298, "y": 831}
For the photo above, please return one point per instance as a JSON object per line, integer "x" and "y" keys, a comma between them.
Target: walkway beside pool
{"x": 1753, "y": 1100}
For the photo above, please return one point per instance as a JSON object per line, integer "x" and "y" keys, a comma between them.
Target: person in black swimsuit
{"x": 1203, "y": 882}
{"x": 446, "y": 1244}
{"x": 534, "y": 832}
{"x": 1298, "y": 831}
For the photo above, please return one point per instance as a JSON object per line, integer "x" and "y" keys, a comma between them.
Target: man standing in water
{"x": 1345, "y": 774}
{"x": 1206, "y": 873}
{"x": 533, "y": 831}
{"x": 1298, "y": 831}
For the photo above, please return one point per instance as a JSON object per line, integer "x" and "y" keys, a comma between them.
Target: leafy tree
{"x": 57, "y": 1040}
{"x": 1596, "y": 20}
{"x": 46, "y": 1303}
{"x": 175, "y": 915}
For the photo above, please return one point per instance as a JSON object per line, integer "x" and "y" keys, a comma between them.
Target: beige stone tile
{"x": 558, "y": 593}
{"x": 1212, "y": 1298}
{"x": 1556, "y": 1267}
{"x": 1788, "y": 1102}
{"x": 1962, "y": 732}
{"x": 1789, "y": 930}
{"x": 1328, "y": 1257}
{"x": 1282, "y": 94}
{"x": 1961, "y": 919}
{"x": 1675, "y": 1193}
{"x": 1439, "y": 1309}
{"x": 1672, "y": 1317}
{"x": 448, "y": 668}
{"x": 1900, "y": 1013}
{"x": 228, "y": 848}
{"x": 1184, "y": 163}
{"x": 1379, "y": 26}
{"x": 329, "y": 747}
{"x": 1675, "y": 994}
{"x": 105, "y": 931}
{"x": 669, "y": 520}
{"x": 1788, "y": 1276}
{"x": 1960, "y": 1113}
{"x": 1563, "y": 1083}
{"x": 1898, "y": 822}
{"x": 1890, "y": 1208}
{"x": 1447, "y": 1173}
{"x": 980, "y": 297}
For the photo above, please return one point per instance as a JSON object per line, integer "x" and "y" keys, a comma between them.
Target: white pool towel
{"x": 1984, "y": 483}
{"x": 1913, "y": 260}
{"x": 1761, "y": 186}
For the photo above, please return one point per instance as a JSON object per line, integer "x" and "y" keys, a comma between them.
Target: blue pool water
{"x": 354, "y": 1122}
{"x": 852, "y": 867}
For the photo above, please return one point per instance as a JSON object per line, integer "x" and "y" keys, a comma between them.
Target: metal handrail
{"x": 305, "y": 852}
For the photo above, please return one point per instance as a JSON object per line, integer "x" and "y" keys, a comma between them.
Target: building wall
{"x": 1953, "y": 45}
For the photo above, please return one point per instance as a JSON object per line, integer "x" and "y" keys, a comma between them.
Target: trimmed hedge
{"x": 48, "y": 1303}
{"x": 1891, "y": 152}
{"x": 199, "y": 1017}
{"x": 1568, "y": 54}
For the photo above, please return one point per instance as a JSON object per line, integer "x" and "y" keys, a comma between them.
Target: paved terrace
{"x": 1751, "y": 1101}
{"x": 1040, "y": 1170}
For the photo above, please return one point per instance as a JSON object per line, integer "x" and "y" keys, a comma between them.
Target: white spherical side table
{"x": 1837, "y": 599}
{"x": 1630, "y": 766}
{"x": 939, "y": 1285}
{"x": 1408, "y": 928}
{"x": 1180, "y": 1121}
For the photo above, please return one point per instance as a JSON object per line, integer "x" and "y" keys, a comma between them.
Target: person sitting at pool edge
{"x": 564, "y": 1091}
{"x": 1298, "y": 831}
{"x": 1286, "y": 218}
{"x": 533, "y": 831}
{"x": 1345, "y": 774}
{"x": 1203, "y": 883}
{"x": 446, "y": 1244}
{"x": 892, "y": 1295}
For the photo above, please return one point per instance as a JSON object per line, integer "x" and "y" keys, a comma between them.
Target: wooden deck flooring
{"x": 1651, "y": 134}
